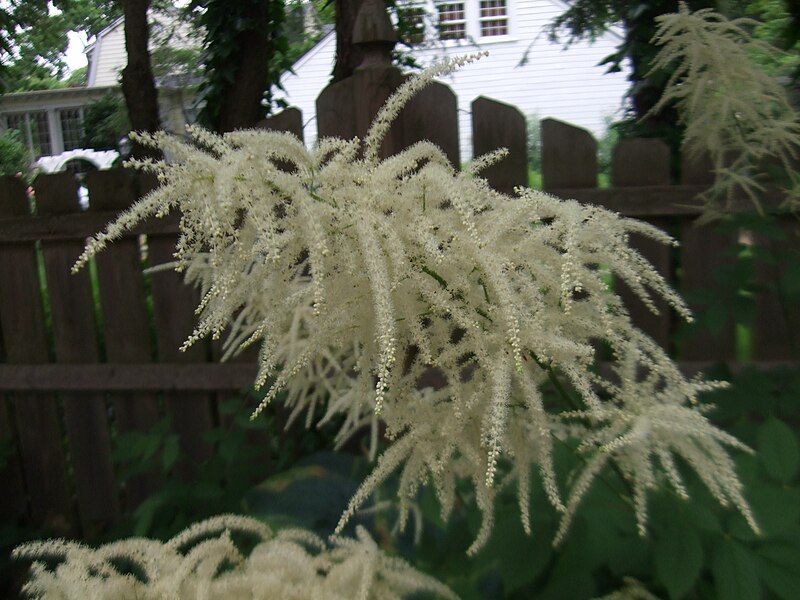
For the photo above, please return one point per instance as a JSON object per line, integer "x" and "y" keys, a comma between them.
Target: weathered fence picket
{"x": 126, "y": 326}
{"x": 39, "y": 437}
{"x": 497, "y": 125}
{"x": 641, "y": 162}
{"x": 75, "y": 342}
{"x": 702, "y": 255}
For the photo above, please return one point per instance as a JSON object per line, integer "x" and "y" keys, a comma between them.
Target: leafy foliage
{"x": 224, "y": 23}
{"x": 14, "y": 156}
{"x": 587, "y": 19}
{"x": 245, "y": 451}
{"x": 33, "y": 39}
{"x": 765, "y": 261}
{"x": 105, "y": 121}
{"x": 693, "y": 549}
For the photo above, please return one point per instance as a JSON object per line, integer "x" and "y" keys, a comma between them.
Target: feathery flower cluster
{"x": 404, "y": 291}
{"x": 631, "y": 590}
{"x": 205, "y": 562}
{"x": 734, "y": 112}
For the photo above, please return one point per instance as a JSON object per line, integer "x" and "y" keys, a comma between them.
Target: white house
{"x": 523, "y": 68}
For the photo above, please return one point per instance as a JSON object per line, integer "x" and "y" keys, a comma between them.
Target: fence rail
{"x": 87, "y": 354}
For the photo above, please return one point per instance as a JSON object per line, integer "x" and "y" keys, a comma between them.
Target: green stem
{"x": 572, "y": 403}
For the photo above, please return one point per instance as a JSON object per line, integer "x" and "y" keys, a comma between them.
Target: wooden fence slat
{"x": 499, "y": 125}
{"x": 637, "y": 162}
{"x": 37, "y": 423}
{"x": 126, "y": 327}
{"x": 776, "y": 332}
{"x": 701, "y": 256}
{"x": 174, "y": 302}
{"x": 289, "y": 120}
{"x": 75, "y": 342}
{"x": 13, "y": 505}
{"x": 12, "y": 500}
{"x": 569, "y": 156}
{"x": 432, "y": 115}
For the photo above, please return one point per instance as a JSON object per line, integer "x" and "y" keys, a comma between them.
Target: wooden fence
{"x": 85, "y": 353}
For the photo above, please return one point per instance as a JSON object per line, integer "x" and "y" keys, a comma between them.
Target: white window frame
{"x": 59, "y": 112}
{"x": 472, "y": 21}
{"x": 465, "y": 21}
{"x": 481, "y": 20}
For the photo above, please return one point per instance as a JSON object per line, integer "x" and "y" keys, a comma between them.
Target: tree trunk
{"x": 348, "y": 56}
{"x": 138, "y": 85}
{"x": 241, "y": 101}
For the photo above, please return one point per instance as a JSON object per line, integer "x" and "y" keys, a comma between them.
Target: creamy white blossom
{"x": 734, "y": 112}
{"x": 205, "y": 562}
{"x": 362, "y": 278}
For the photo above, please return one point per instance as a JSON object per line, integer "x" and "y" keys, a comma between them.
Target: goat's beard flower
{"x": 359, "y": 276}
{"x": 205, "y": 561}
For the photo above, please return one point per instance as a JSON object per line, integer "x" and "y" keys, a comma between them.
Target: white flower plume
{"x": 359, "y": 278}
{"x": 205, "y": 562}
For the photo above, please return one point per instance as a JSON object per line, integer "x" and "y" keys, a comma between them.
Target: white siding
{"x": 565, "y": 84}
{"x": 110, "y": 51}
{"x": 111, "y": 57}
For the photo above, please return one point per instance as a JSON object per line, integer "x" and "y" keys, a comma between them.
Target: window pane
{"x": 493, "y": 17}
{"x": 452, "y": 24}
{"x": 71, "y": 128}
{"x": 40, "y": 134}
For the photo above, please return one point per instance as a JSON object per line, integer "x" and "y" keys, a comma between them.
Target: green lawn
{"x": 535, "y": 180}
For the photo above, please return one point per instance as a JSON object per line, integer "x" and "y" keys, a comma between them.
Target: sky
{"x": 75, "y": 58}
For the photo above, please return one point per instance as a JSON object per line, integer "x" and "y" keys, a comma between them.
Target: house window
{"x": 413, "y": 20}
{"x": 17, "y": 122}
{"x": 493, "y": 17}
{"x": 71, "y": 128}
{"x": 35, "y": 131}
{"x": 40, "y": 133}
{"x": 452, "y": 20}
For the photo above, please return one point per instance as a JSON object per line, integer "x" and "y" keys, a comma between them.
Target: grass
{"x": 535, "y": 180}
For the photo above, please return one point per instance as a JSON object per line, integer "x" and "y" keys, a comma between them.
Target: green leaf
{"x": 778, "y": 450}
{"x": 779, "y": 568}
{"x": 170, "y": 453}
{"x": 678, "y": 558}
{"x": 776, "y": 508}
{"x": 734, "y": 571}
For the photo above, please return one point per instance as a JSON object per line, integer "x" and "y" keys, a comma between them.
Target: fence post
{"x": 74, "y": 335}
{"x": 702, "y": 254}
{"x": 346, "y": 108}
{"x": 499, "y": 125}
{"x": 126, "y": 326}
{"x": 640, "y": 162}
